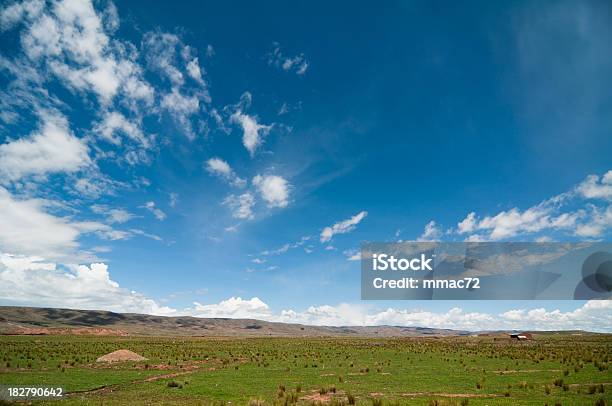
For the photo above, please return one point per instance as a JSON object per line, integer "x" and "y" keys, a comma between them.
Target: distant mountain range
{"x": 43, "y": 321}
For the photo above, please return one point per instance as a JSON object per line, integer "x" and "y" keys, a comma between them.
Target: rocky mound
{"x": 121, "y": 355}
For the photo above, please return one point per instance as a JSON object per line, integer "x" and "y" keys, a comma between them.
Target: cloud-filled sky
{"x": 228, "y": 159}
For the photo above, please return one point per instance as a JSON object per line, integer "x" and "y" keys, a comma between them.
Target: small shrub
{"x": 350, "y": 398}
{"x": 601, "y": 402}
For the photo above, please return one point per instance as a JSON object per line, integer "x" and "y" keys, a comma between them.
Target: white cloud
{"x": 578, "y": 212}
{"x": 25, "y": 227}
{"x": 17, "y": 11}
{"x": 297, "y": 63}
{"x": 241, "y": 206}
{"x": 598, "y": 222}
{"x": 181, "y": 107}
{"x": 352, "y": 255}
{"x": 593, "y": 316}
{"x": 115, "y": 122}
{"x": 273, "y": 189}
{"x": 234, "y": 307}
{"x": 68, "y": 38}
{"x": 468, "y": 224}
{"x": 431, "y": 233}
{"x": 595, "y": 187}
{"x": 174, "y": 199}
{"x": 342, "y": 227}
{"x": 112, "y": 215}
{"x": 52, "y": 149}
{"x": 158, "y": 213}
{"x": 252, "y": 131}
{"x": 31, "y": 281}
{"x": 221, "y": 168}
{"x": 161, "y": 55}
{"x": 193, "y": 68}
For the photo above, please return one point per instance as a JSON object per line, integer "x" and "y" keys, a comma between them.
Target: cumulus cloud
{"x": 68, "y": 38}
{"x": 596, "y": 187}
{"x": 273, "y": 189}
{"x": 51, "y": 149}
{"x": 431, "y": 232}
{"x": 582, "y": 212}
{"x": 27, "y": 227}
{"x": 34, "y": 281}
{"x": 342, "y": 227}
{"x": 221, "y": 168}
{"x": 241, "y": 205}
{"x": 30, "y": 280}
{"x": 252, "y": 131}
{"x": 592, "y": 316}
{"x": 158, "y": 213}
{"x": 598, "y": 222}
{"x": 234, "y": 307}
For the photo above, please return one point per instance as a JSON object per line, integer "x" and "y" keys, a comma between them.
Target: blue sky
{"x": 227, "y": 159}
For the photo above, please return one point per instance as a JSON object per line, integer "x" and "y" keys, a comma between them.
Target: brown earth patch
{"x": 520, "y": 371}
{"x": 93, "y": 331}
{"x": 316, "y": 397}
{"x": 452, "y": 395}
{"x": 575, "y": 385}
{"x": 121, "y": 356}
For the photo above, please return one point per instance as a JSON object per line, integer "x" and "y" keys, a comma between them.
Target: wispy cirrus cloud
{"x": 221, "y": 168}
{"x": 583, "y": 211}
{"x": 342, "y": 227}
{"x": 298, "y": 63}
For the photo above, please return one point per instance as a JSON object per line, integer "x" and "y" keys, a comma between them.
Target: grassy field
{"x": 552, "y": 370}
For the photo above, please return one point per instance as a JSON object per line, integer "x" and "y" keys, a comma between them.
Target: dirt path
{"x": 110, "y": 388}
{"x": 520, "y": 371}
{"x": 452, "y": 395}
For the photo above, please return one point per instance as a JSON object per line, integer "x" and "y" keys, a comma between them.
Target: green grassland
{"x": 552, "y": 369}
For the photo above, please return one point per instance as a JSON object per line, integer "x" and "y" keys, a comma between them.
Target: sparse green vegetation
{"x": 326, "y": 371}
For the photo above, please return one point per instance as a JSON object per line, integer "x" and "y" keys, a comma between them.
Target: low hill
{"x": 33, "y": 320}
